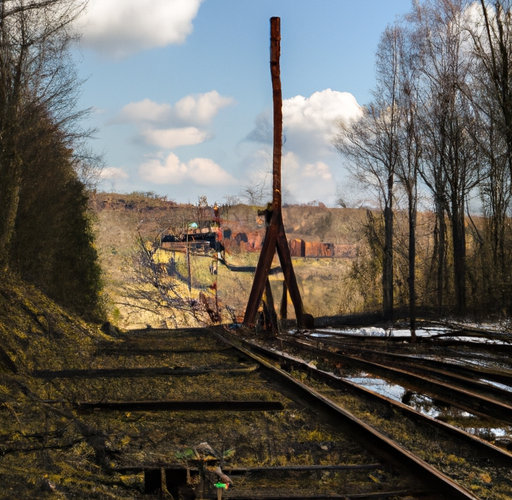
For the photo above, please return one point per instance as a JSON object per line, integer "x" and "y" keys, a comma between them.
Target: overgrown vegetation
{"x": 440, "y": 126}
{"x": 45, "y": 225}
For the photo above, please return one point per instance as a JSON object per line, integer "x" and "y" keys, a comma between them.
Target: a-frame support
{"x": 275, "y": 237}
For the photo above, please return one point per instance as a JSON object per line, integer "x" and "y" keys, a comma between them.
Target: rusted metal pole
{"x": 284, "y": 302}
{"x": 277, "y": 97}
{"x": 260, "y": 276}
{"x": 272, "y": 310}
{"x": 275, "y": 236}
{"x": 269, "y": 245}
{"x": 289, "y": 274}
{"x": 282, "y": 243}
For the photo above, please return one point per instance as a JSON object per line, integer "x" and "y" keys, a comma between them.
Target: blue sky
{"x": 182, "y": 100}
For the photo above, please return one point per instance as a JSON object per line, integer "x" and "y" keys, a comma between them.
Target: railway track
{"x": 485, "y": 448}
{"x": 482, "y": 376}
{"x": 294, "y": 435}
{"x": 375, "y": 441}
{"x": 456, "y": 367}
{"x": 466, "y": 393}
{"x": 497, "y": 456}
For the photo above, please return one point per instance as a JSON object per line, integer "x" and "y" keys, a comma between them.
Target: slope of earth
{"x": 50, "y": 447}
{"x": 120, "y": 219}
{"x": 42, "y": 442}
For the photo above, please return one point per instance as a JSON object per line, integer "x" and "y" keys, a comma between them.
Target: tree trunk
{"x": 412, "y": 262}
{"x": 440, "y": 256}
{"x": 459, "y": 255}
{"x": 387, "y": 264}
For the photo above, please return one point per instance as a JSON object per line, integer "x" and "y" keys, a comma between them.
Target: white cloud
{"x": 119, "y": 28}
{"x": 192, "y": 110}
{"x": 201, "y": 109}
{"x": 174, "y": 137}
{"x": 170, "y": 126}
{"x": 113, "y": 173}
{"x": 206, "y": 172}
{"x": 144, "y": 111}
{"x": 170, "y": 170}
{"x": 310, "y": 122}
{"x": 307, "y": 181}
{"x": 318, "y": 171}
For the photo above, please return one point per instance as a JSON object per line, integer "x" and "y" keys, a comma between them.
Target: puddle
{"x": 380, "y": 332}
{"x": 476, "y": 340}
{"x": 479, "y": 362}
{"x": 436, "y": 409}
{"x": 478, "y": 431}
{"x": 443, "y": 332}
{"x": 498, "y": 385}
{"x": 370, "y": 331}
{"x": 380, "y": 386}
{"x": 419, "y": 402}
{"x": 320, "y": 335}
{"x": 500, "y": 435}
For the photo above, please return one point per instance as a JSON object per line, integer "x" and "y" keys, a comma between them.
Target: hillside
{"x": 43, "y": 441}
{"x": 308, "y": 222}
{"x": 59, "y": 441}
{"x": 120, "y": 219}
{"x": 54, "y": 446}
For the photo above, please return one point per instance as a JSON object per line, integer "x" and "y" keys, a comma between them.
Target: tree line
{"x": 45, "y": 226}
{"x": 438, "y": 134}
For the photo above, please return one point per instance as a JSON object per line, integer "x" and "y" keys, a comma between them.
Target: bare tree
{"x": 35, "y": 72}
{"x": 410, "y": 144}
{"x": 256, "y": 192}
{"x": 491, "y": 32}
{"x": 441, "y": 118}
{"x": 492, "y": 38}
{"x": 159, "y": 287}
{"x": 371, "y": 146}
{"x": 449, "y": 129}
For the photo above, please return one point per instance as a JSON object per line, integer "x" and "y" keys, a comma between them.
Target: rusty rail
{"x": 377, "y": 443}
{"x": 473, "y": 373}
{"x": 456, "y": 396}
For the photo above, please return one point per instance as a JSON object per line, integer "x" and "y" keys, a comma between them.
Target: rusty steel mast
{"x": 275, "y": 237}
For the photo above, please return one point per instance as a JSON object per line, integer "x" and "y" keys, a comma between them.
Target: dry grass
{"x": 322, "y": 282}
